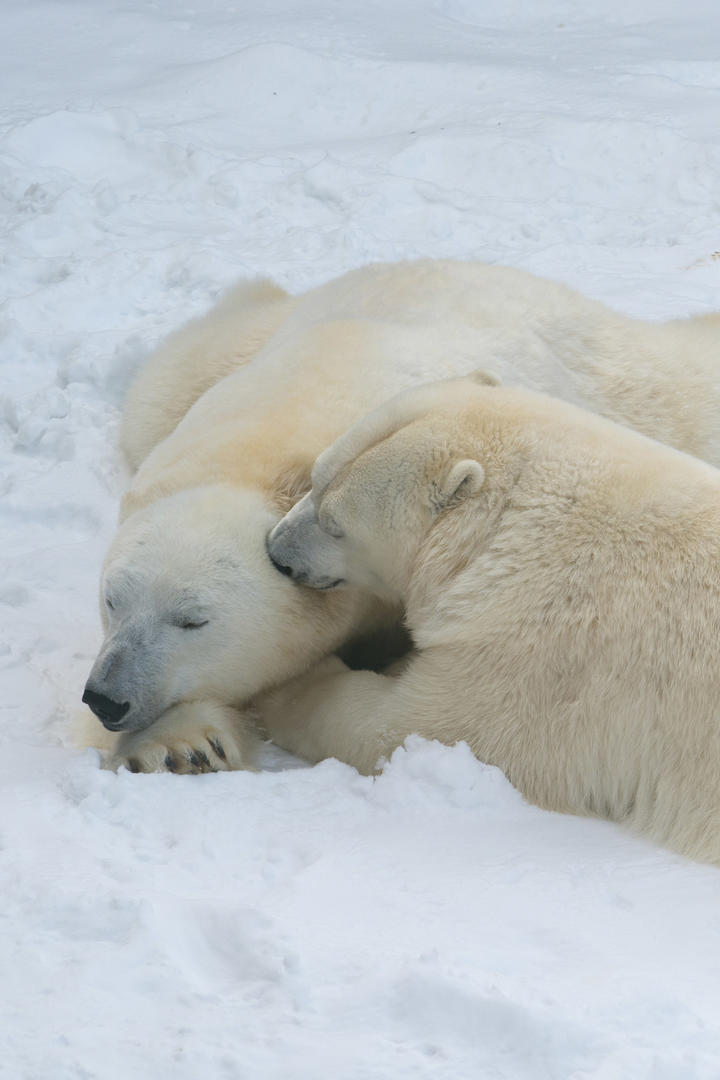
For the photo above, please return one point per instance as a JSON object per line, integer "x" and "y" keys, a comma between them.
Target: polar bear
{"x": 223, "y": 426}
{"x": 561, "y": 580}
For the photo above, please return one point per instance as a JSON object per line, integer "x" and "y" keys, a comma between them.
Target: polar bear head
{"x": 377, "y": 490}
{"x": 192, "y": 609}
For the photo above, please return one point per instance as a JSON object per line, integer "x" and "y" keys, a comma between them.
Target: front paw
{"x": 284, "y": 712}
{"x": 193, "y": 737}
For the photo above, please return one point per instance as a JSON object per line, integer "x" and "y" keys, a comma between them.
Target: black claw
{"x": 134, "y": 765}
{"x": 203, "y": 757}
{"x": 170, "y": 763}
{"x": 194, "y": 760}
{"x": 218, "y": 748}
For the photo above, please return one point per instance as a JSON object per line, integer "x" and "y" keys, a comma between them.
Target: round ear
{"x": 464, "y": 479}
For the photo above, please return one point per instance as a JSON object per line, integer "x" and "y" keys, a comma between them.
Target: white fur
{"x": 565, "y": 604}
{"x": 215, "y": 475}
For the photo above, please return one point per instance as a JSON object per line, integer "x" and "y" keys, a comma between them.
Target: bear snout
{"x": 276, "y": 553}
{"x": 109, "y": 712}
{"x": 287, "y": 570}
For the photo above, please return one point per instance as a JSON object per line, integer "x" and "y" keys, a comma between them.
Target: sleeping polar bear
{"x": 561, "y": 580}
{"x": 223, "y": 425}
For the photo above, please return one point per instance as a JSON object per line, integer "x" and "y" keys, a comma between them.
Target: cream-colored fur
{"x": 194, "y": 358}
{"x": 205, "y": 494}
{"x": 561, "y": 578}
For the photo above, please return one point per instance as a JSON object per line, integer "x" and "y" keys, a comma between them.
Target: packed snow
{"x": 308, "y": 923}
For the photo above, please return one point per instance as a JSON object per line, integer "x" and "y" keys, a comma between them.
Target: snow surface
{"x": 309, "y": 923}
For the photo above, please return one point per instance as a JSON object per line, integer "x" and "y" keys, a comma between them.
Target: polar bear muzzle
{"x": 109, "y": 712}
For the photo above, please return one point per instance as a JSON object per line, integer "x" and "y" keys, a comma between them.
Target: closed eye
{"x": 188, "y": 625}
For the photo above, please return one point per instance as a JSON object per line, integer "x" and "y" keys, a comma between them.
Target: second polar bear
{"x": 226, "y": 419}
{"x": 561, "y": 579}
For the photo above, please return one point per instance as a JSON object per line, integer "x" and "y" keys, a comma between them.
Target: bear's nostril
{"x": 287, "y": 570}
{"x": 109, "y": 711}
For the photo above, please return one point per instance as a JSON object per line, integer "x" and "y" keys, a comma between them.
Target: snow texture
{"x": 303, "y": 924}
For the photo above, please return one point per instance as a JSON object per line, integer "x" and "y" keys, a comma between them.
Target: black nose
{"x": 287, "y": 570}
{"x": 109, "y": 711}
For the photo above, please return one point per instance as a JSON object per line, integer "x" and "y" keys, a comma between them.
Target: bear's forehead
{"x": 181, "y": 567}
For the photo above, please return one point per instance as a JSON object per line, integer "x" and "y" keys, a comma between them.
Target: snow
{"x": 310, "y": 923}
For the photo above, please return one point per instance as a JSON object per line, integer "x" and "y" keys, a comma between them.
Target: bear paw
{"x": 285, "y": 713}
{"x": 193, "y": 737}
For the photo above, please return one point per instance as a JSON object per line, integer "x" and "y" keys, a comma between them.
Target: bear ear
{"x": 464, "y": 478}
{"x": 485, "y": 378}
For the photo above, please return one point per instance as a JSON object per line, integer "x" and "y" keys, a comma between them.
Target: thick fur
{"x": 194, "y": 358}
{"x": 561, "y": 578}
{"x": 223, "y": 456}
